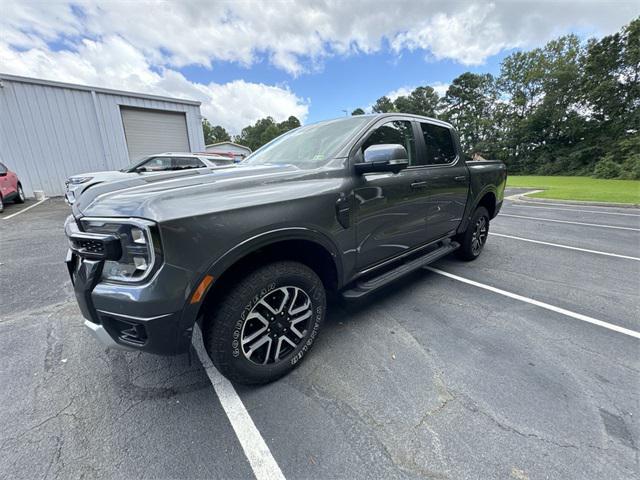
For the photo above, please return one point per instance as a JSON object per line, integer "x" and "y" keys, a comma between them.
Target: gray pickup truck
{"x": 250, "y": 252}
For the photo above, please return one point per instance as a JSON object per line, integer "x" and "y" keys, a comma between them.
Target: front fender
{"x": 225, "y": 261}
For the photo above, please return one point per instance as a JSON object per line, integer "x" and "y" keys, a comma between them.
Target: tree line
{"x": 568, "y": 108}
{"x": 252, "y": 136}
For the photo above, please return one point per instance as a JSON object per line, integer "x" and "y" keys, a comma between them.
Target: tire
{"x": 20, "y": 197}
{"x": 473, "y": 240}
{"x": 290, "y": 298}
{"x": 1, "y": 204}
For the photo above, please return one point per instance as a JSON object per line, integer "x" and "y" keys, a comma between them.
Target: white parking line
{"x": 572, "y": 223}
{"x": 599, "y": 212}
{"x": 564, "y": 246}
{"x": 263, "y": 464}
{"x": 24, "y": 209}
{"x": 518, "y": 195}
{"x": 586, "y": 203}
{"x": 568, "y": 313}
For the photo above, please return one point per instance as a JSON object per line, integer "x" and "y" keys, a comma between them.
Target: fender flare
{"x": 474, "y": 205}
{"x": 223, "y": 262}
{"x": 264, "y": 239}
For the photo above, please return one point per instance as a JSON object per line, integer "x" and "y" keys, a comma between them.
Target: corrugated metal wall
{"x": 48, "y": 133}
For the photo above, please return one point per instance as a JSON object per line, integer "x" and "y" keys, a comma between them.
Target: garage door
{"x": 154, "y": 131}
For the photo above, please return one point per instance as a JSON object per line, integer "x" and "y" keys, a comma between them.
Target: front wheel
{"x": 266, "y": 323}
{"x": 472, "y": 241}
{"x": 20, "y": 198}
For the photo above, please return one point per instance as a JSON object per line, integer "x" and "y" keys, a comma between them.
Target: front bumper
{"x": 150, "y": 317}
{"x": 99, "y": 332}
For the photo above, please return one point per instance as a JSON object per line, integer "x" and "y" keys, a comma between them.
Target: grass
{"x": 580, "y": 188}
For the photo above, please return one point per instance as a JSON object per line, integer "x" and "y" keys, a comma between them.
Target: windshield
{"x": 308, "y": 147}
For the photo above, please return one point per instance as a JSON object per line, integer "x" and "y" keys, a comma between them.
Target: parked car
{"x": 151, "y": 165}
{"x": 250, "y": 252}
{"x": 10, "y": 187}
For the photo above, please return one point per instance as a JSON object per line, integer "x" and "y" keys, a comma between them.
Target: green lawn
{"x": 580, "y": 188}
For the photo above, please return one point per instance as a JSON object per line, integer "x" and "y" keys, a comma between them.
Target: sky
{"x": 245, "y": 60}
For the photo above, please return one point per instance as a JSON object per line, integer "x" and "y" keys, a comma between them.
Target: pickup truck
{"x": 250, "y": 252}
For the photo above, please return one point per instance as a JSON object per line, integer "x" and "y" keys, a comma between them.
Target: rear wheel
{"x": 20, "y": 198}
{"x": 266, "y": 323}
{"x": 1, "y": 204}
{"x": 472, "y": 241}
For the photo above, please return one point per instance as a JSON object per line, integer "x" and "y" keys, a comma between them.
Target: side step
{"x": 364, "y": 287}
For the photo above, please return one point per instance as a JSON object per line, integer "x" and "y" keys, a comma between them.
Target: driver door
{"x": 389, "y": 208}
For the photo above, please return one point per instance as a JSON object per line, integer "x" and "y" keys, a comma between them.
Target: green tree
{"x": 539, "y": 121}
{"x": 265, "y": 130}
{"x": 383, "y": 105}
{"x": 421, "y": 101}
{"x": 470, "y": 105}
{"x": 358, "y": 111}
{"x": 214, "y": 134}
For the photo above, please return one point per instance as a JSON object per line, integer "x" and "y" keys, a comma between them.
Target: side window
{"x": 3, "y": 169}
{"x": 440, "y": 147}
{"x": 157, "y": 163}
{"x": 400, "y": 132}
{"x": 187, "y": 162}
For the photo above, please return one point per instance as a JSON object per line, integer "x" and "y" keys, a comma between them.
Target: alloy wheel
{"x": 480, "y": 234}
{"x": 276, "y": 325}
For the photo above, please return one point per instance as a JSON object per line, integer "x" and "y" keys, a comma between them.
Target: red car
{"x": 10, "y": 187}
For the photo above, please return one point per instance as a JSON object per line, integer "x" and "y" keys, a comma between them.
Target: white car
{"x": 151, "y": 165}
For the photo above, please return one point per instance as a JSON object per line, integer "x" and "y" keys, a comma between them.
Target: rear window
{"x": 440, "y": 147}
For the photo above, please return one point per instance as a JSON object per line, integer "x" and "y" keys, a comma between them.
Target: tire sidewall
{"x": 467, "y": 251}
{"x": 230, "y": 332}
{"x": 20, "y": 194}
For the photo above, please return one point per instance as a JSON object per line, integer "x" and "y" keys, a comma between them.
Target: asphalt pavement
{"x": 431, "y": 377}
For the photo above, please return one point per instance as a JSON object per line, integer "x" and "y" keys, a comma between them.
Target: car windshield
{"x": 308, "y": 147}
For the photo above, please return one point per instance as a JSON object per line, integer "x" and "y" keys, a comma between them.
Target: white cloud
{"x": 293, "y": 34}
{"x": 141, "y": 45}
{"x": 114, "y": 63}
{"x": 440, "y": 88}
{"x": 399, "y": 92}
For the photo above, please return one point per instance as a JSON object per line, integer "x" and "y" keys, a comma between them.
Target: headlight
{"x": 140, "y": 247}
{"x": 78, "y": 180}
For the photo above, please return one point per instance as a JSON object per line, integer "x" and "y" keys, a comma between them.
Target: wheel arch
{"x": 307, "y": 246}
{"x": 489, "y": 201}
{"x": 486, "y": 198}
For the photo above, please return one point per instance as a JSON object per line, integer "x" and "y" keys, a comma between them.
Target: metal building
{"x": 51, "y": 130}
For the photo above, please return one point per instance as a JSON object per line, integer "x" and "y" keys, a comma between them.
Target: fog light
{"x": 138, "y": 236}
{"x": 140, "y": 263}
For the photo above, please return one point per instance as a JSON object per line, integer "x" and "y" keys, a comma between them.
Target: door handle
{"x": 460, "y": 178}
{"x": 422, "y": 184}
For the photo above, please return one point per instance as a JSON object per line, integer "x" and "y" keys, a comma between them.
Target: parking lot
{"x": 524, "y": 364}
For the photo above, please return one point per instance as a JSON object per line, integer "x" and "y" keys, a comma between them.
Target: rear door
{"x": 446, "y": 176}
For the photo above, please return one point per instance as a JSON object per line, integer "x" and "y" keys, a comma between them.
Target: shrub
{"x": 606, "y": 168}
{"x": 630, "y": 169}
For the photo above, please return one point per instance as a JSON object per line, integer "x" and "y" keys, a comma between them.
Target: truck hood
{"x": 198, "y": 192}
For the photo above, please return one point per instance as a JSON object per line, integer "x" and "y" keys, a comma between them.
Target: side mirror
{"x": 387, "y": 157}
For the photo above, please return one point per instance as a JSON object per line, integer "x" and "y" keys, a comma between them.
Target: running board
{"x": 364, "y": 287}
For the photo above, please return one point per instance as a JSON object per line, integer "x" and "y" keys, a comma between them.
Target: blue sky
{"x": 348, "y": 82}
{"x": 313, "y": 59}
